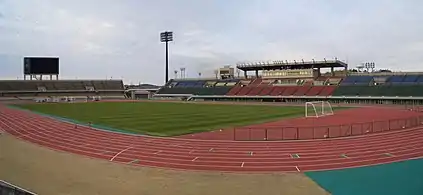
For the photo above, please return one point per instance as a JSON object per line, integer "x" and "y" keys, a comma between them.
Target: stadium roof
{"x": 280, "y": 64}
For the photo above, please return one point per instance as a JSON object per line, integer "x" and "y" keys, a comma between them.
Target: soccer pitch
{"x": 166, "y": 118}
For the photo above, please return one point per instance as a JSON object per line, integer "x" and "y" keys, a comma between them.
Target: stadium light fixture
{"x": 166, "y": 37}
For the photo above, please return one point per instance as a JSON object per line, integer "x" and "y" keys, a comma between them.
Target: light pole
{"x": 176, "y": 74}
{"x": 369, "y": 65}
{"x": 166, "y": 37}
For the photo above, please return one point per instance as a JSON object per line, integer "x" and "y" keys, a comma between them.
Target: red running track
{"x": 209, "y": 155}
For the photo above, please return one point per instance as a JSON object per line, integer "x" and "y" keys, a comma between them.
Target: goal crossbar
{"x": 318, "y": 109}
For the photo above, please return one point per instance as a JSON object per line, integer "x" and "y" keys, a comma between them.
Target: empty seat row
{"x": 195, "y": 90}
{"x": 282, "y": 91}
{"x": 200, "y": 83}
{"x": 60, "y": 85}
{"x": 390, "y": 80}
{"x": 380, "y": 90}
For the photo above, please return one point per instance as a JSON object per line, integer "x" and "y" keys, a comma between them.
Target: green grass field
{"x": 164, "y": 118}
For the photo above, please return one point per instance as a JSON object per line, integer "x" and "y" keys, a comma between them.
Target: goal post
{"x": 318, "y": 109}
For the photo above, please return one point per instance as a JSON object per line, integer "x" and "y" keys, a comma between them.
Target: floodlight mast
{"x": 166, "y": 37}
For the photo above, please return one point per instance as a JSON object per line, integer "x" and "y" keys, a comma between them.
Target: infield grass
{"x": 166, "y": 118}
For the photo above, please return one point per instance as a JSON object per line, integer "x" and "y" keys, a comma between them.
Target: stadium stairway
{"x": 315, "y": 90}
{"x": 289, "y": 90}
{"x": 302, "y": 90}
{"x": 234, "y": 90}
{"x": 244, "y": 91}
{"x": 277, "y": 90}
{"x": 328, "y": 90}
{"x": 266, "y": 90}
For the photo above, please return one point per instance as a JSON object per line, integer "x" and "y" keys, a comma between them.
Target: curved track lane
{"x": 214, "y": 155}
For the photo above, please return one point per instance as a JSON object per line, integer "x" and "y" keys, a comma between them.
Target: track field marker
{"x": 251, "y": 153}
{"x": 211, "y": 149}
{"x": 242, "y": 165}
{"x": 120, "y": 152}
{"x": 388, "y": 154}
{"x": 194, "y": 159}
{"x": 298, "y": 169}
{"x": 133, "y": 161}
{"x": 344, "y": 156}
{"x": 295, "y": 156}
{"x": 157, "y": 152}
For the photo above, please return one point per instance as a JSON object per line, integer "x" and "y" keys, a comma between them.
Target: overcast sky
{"x": 120, "y": 38}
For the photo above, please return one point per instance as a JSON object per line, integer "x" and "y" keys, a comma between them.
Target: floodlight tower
{"x": 166, "y": 37}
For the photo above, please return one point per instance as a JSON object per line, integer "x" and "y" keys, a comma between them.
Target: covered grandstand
{"x": 302, "y": 82}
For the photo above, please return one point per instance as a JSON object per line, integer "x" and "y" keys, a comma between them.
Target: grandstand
{"x": 36, "y": 68}
{"x": 30, "y": 89}
{"x": 197, "y": 87}
{"x": 281, "y": 81}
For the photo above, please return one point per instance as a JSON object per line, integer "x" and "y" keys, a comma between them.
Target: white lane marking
{"x": 120, "y": 153}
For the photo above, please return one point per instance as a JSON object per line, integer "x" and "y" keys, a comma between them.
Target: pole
{"x": 167, "y": 62}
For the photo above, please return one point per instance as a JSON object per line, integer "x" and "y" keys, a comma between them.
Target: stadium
{"x": 287, "y": 117}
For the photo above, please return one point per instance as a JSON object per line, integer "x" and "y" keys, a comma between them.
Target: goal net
{"x": 318, "y": 109}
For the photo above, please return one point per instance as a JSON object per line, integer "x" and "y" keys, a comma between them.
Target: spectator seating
{"x": 198, "y": 87}
{"x": 357, "y": 80}
{"x": 356, "y": 85}
{"x": 283, "y": 87}
{"x": 47, "y": 88}
{"x": 388, "y": 86}
{"x": 380, "y": 90}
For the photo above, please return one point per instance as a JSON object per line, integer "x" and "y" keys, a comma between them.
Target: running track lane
{"x": 215, "y": 155}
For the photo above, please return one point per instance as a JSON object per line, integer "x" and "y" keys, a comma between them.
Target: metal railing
{"x": 8, "y": 188}
{"x": 273, "y": 133}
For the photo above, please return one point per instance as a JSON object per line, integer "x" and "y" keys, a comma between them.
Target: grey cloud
{"x": 121, "y": 38}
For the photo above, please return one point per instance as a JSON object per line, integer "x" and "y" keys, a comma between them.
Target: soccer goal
{"x": 318, "y": 109}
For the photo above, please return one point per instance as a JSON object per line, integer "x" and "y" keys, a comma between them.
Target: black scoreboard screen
{"x": 41, "y": 65}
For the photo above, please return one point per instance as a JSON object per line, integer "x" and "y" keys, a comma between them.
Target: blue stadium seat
{"x": 363, "y": 80}
{"x": 399, "y": 83}
{"x": 420, "y": 80}
{"x": 350, "y": 80}
{"x": 410, "y": 78}
{"x": 396, "y": 79}
{"x": 357, "y": 80}
{"x": 200, "y": 83}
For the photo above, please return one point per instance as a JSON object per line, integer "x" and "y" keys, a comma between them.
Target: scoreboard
{"x": 41, "y": 65}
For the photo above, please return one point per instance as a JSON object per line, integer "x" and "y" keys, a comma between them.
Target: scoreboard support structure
{"x": 40, "y": 77}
